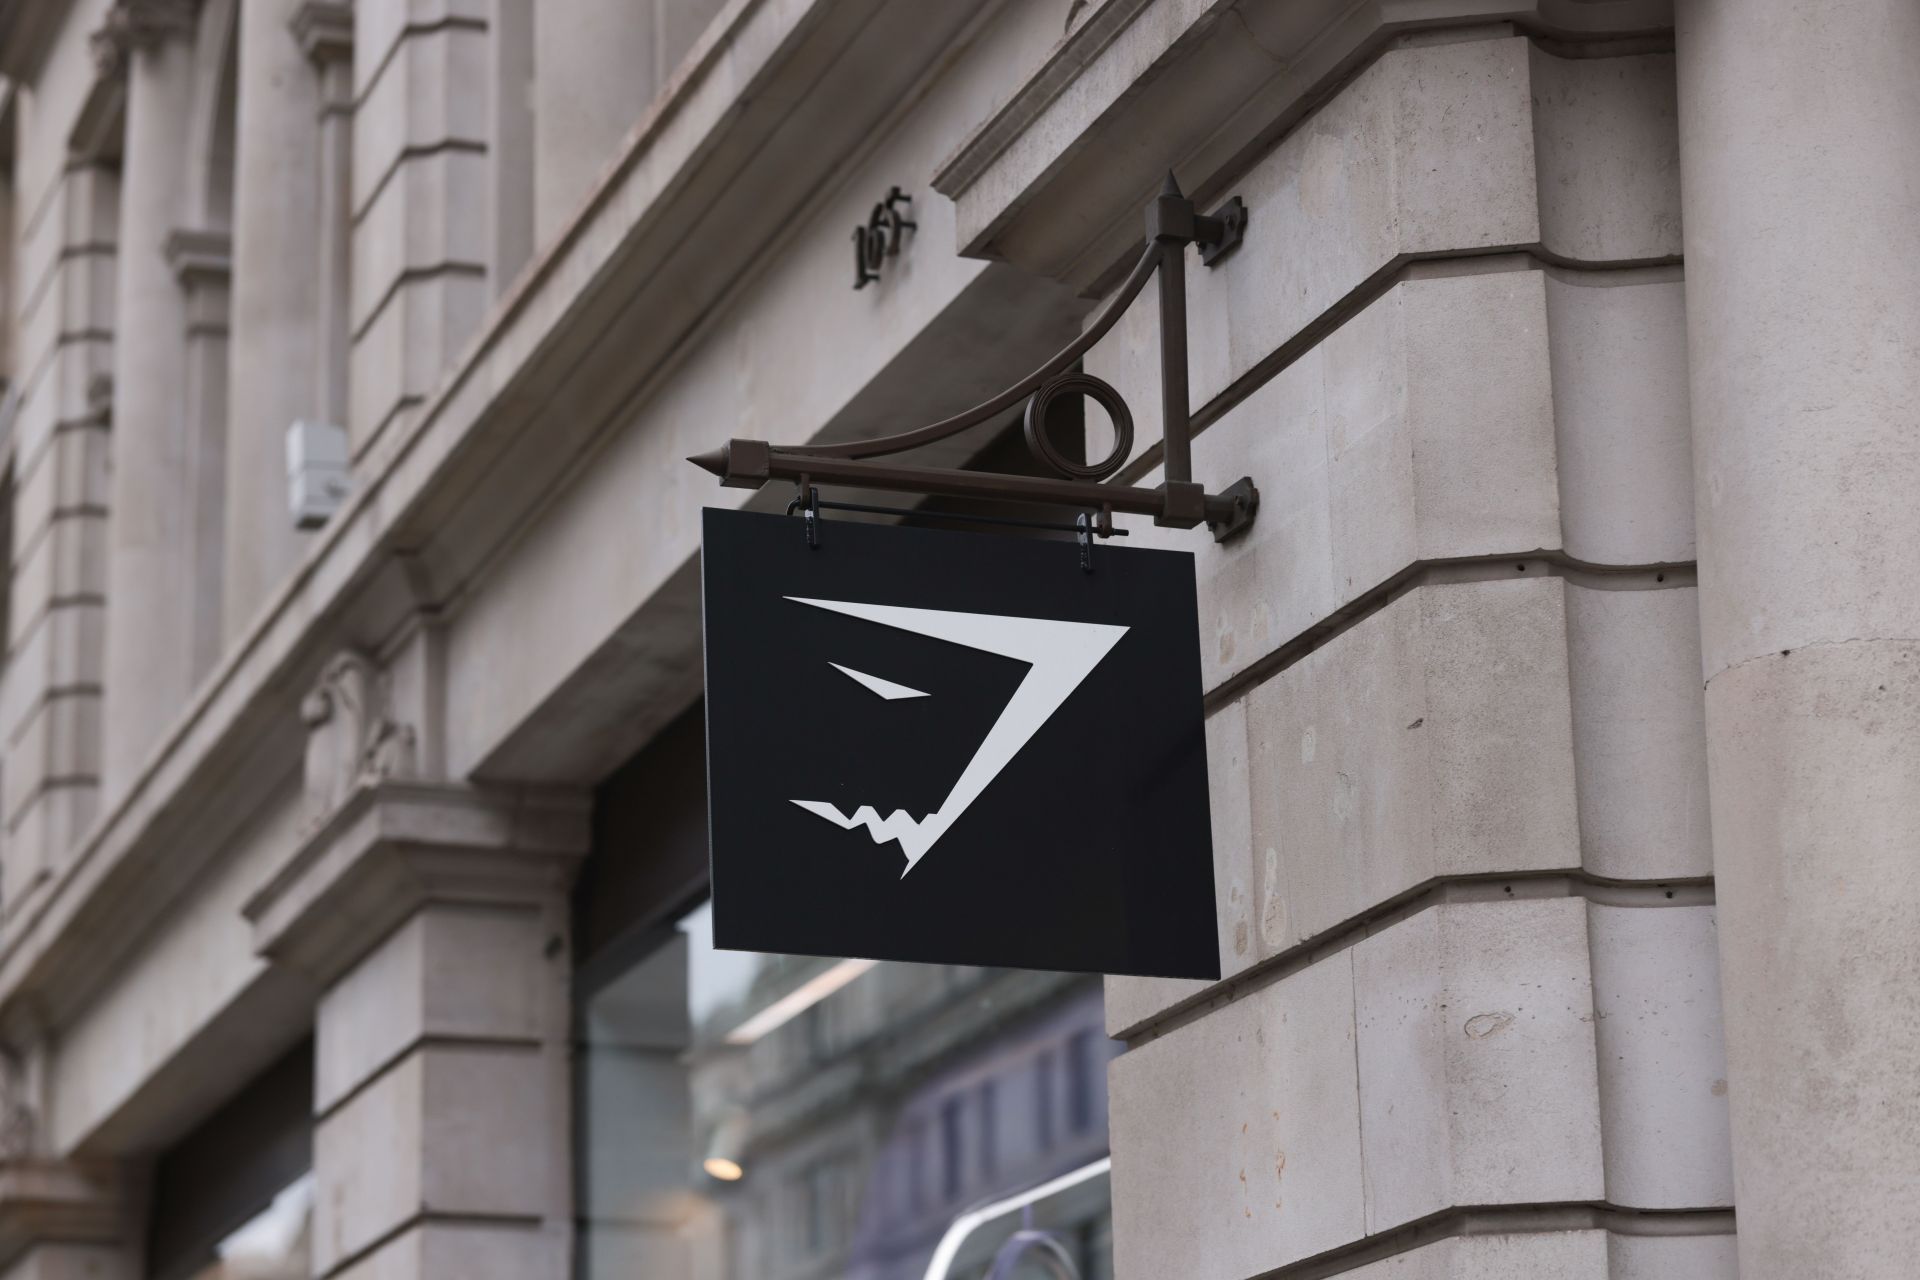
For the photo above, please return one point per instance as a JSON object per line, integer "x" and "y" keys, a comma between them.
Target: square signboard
{"x": 955, "y": 748}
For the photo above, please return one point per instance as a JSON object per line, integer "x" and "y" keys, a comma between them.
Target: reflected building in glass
{"x": 750, "y": 1117}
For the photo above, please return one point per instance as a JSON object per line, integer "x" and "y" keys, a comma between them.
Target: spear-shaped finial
{"x": 1171, "y": 187}
{"x": 714, "y": 461}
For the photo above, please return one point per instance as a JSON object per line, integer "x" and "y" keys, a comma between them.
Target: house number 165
{"x": 880, "y": 238}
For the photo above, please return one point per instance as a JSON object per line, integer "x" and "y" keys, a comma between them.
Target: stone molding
{"x": 199, "y": 258}
{"x": 137, "y": 24}
{"x": 66, "y": 1201}
{"x": 393, "y": 847}
{"x": 324, "y": 29}
{"x": 1148, "y": 85}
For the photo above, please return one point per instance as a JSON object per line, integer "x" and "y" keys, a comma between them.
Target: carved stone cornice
{"x": 392, "y": 848}
{"x": 138, "y": 24}
{"x": 324, "y": 29}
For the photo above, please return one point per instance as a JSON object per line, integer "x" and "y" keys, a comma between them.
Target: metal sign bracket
{"x": 1178, "y": 501}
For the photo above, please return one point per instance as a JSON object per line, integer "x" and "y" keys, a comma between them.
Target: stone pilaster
{"x": 436, "y": 919}
{"x": 202, "y": 262}
{"x": 153, "y": 589}
{"x": 324, "y": 29}
{"x": 419, "y": 199}
{"x": 63, "y": 352}
{"x": 278, "y": 223}
{"x": 434, "y": 916}
{"x": 1800, "y": 166}
{"x": 510, "y": 148}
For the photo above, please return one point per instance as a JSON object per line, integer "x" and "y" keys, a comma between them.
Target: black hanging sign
{"x": 955, "y": 748}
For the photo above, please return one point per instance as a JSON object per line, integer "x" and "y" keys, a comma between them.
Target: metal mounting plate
{"x": 1232, "y": 216}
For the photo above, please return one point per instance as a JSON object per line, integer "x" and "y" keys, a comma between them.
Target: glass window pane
{"x": 273, "y": 1245}
{"x": 751, "y": 1117}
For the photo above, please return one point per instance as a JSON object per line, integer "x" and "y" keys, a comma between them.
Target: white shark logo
{"x": 1062, "y": 654}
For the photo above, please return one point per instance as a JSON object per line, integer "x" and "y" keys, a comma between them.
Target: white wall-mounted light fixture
{"x": 727, "y": 1147}
{"x": 318, "y": 476}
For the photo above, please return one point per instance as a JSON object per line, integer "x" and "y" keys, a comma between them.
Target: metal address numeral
{"x": 880, "y": 238}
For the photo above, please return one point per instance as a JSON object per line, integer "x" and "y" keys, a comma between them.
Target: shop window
{"x": 233, "y": 1199}
{"x": 759, "y": 1117}
{"x": 989, "y": 1138}
{"x": 274, "y": 1244}
{"x": 1081, "y": 1084}
{"x": 952, "y": 1150}
{"x": 1043, "y": 1099}
{"x": 916, "y": 1161}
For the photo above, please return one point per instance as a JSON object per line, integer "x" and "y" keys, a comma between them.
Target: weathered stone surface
{"x": 472, "y": 1251}
{"x": 1705, "y": 1257}
{"x": 1606, "y": 141}
{"x": 1447, "y": 1061}
{"x": 1803, "y": 296}
{"x": 1639, "y": 732}
{"x": 461, "y": 1131}
{"x": 1663, "y": 1058}
{"x": 1420, "y": 429}
{"x": 428, "y": 218}
{"x": 1429, "y": 150}
{"x": 1621, "y": 427}
{"x": 1815, "y": 760}
{"x": 1478, "y": 1082}
{"x": 1431, "y": 739}
{"x": 430, "y": 97}
{"x": 1545, "y": 1255}
{"x": 155, "y": 1008}
{"x": 1237, "y": 1139}
{"x": 76, "y": 1262}
{"x": 463, "y": 973}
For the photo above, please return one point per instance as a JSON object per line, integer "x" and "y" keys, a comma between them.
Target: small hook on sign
{"x": 1085, "y": 539}
{"x": 807, "y": 501}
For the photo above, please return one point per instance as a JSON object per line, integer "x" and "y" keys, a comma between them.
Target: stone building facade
{"x": 1563, "y": 699}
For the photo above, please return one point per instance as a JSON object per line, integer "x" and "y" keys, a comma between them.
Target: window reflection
{"x": 864, "y": 1107}
{"x": 275, "y": 1244}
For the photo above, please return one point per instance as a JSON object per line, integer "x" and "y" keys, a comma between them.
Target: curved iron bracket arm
{"x": 1179, "y": 501}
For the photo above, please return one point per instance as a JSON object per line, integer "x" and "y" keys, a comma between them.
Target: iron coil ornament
{"x": 1041, "y": 445}
{"x": 1178, "y": 501}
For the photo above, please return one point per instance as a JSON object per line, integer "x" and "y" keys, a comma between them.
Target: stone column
{"x": 278, "y": 220}
{"x": 435, "y": 917}
{"x": 202, "y": 262}
{"x": 510, "y": 71}
{"x": 150, "y": 581}
{"x": 1800, "y": 149}
{"x": 325, "y": 31}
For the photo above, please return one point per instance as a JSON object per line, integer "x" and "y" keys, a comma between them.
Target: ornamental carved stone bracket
{"x": 137, "y": 24}
{"x": 354, "y": 737}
